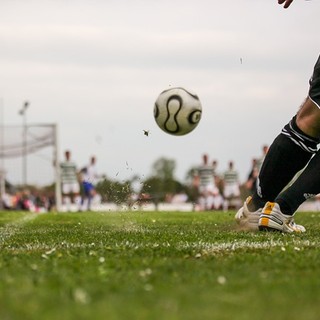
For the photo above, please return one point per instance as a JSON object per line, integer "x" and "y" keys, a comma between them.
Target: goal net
{"x": 19, "y": 146}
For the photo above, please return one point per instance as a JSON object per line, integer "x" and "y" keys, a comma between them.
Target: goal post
{"x": 58, "y": 195}
{"x": 21, "y": 141}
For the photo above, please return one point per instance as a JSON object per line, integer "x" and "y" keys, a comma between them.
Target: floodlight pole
{"x": 23, "y": 113}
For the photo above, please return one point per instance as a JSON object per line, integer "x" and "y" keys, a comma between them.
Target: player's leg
{"x": 278, "y": 215}
{"x": 226, "y": 194}
{"x": 75, "y": 197}
{"x": 210, "y": 203}
{"x": 201, "y": 202}
{"x": 217, "y": 201}
{"x": 293, "y": 148}
{"x": 306, "y": 186}
{"x": 208, "y": 197}
{"x": 288, "y": 154}
{"x": 91, "y": 193}
{"x": 201, "y": 198}
{"x": 66, "y": 190}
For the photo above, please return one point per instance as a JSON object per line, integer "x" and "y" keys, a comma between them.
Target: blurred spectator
{"x": 218, "y": 179}
{"x": 260, "y": 160}
{"x": 8, "y": 201}
{"x": 251, "y": 182}
{"x": 36, "y": 201}
{"x": 180, "y": 197}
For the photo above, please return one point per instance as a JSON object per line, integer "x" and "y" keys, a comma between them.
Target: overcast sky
{"x": 96, "y": 67}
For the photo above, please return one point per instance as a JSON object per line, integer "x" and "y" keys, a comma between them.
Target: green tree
{"x": 162, "y": 182}
{"x": 164, "y": 168}
{"x": 114, "y": 191}
{"x": 191, "y": 191}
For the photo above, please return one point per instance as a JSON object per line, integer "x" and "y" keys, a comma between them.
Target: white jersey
{"x": 90, "y": 175}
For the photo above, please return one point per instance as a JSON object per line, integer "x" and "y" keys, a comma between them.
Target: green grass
{"x": 155, "y": 265}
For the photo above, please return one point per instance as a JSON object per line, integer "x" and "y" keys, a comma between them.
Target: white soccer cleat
{"x": 246, "y": 219}
{"x": 272, "y": 219}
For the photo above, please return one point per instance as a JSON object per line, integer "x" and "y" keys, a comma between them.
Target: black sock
{"x": 288, "y": 154}
{"x": 306, "y": 186}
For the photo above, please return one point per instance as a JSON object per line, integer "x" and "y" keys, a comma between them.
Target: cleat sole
{"x": 268, "y": 229}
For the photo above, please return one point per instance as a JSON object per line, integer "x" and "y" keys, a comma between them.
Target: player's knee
{"x": 308, "y": 119}
{"x": 299, "y": 137}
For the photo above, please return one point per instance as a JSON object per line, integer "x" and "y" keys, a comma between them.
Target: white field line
{"x": 212, "y": 248}
{"x": 12, "y": 228}
{"x": 201, "y": 247}
{"x": 205, "y": 248}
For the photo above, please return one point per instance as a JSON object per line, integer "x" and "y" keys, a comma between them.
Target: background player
{"x": 204, "y": 181}
{"x": 69, "y": 180}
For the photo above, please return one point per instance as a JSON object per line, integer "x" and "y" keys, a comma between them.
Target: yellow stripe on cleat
{"x": 264, "y": 222}
{"x": 268, "y": 208}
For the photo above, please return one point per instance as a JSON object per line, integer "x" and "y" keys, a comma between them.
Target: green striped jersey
{"x": 68, "y": 172}
{"x": 230, "y": 177}
{"x": 206, "y": 175}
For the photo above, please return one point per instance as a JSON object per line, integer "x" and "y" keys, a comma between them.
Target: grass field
{"x": 155, "y": 265}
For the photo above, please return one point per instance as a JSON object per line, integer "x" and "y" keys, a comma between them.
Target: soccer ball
{"x": 177, "y": 111}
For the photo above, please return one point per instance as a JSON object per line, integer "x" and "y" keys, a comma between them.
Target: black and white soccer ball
{"x": 177, "y": 111}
